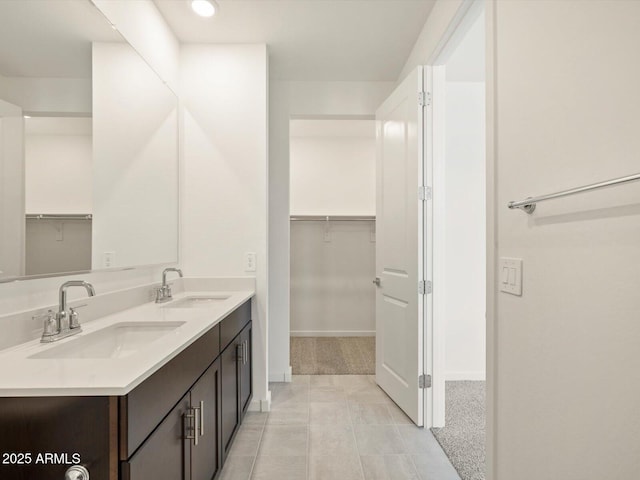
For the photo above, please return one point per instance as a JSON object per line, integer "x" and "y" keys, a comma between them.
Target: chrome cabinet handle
{"x": 196, "y": 427}
{"x": 201, "y": 417}
{"x": 193, "y": 425}
{"x": 377, "y": 281}
{"x": 244, "y": 352}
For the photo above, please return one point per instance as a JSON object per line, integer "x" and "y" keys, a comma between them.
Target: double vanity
{"x": 156, "y": 391}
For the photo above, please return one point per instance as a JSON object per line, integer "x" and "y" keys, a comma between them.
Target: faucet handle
{"x": 74, "y": 322}
{"x": 50, "y": 323}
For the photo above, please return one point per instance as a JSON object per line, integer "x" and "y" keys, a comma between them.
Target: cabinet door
{"x": 205, "y": 396}
{"x": 230, "y": 375}
{"x": 164, "y": 455}
{"x": 246, "y": 376}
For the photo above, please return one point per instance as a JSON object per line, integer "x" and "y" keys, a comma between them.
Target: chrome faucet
{"x": 64, "y": 322}
{"x": 163, "y": 294}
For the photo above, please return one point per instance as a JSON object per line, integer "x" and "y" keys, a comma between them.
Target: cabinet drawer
{"x": 145, "y": 407}
{"x": 231, "y": 326}
{"x": 162, "y": 457}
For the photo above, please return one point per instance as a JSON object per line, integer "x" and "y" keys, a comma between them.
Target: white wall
{"x": 142, "y": 24}
{"x": 465, "y": 226}
{"x": 332, "y": 170}
{"x": 464, "y": 245}
{"x": 287, "y": 100}
{"x": 55, "y": 246}
{"x": 135, "y": 165}
{"x": 224, "y": 177}
{"x": 333, "y": 175}
{"x": 331, "y": 289}
{"x": 566, "y": 106}
{"x": 58, "y": 175}
{"x": 48, "y": 95}
{"x": 12, "y": 192}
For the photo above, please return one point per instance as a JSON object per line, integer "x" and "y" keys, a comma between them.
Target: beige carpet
{"x": 333, "y": 355}
{"x": 463, "y": 437}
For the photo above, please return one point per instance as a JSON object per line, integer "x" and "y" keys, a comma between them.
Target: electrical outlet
{"x": 59, "y": 232}
{"x": 326, "y": 235}
{"x": 108, "y": 259}
{"x": 250, "y": 262}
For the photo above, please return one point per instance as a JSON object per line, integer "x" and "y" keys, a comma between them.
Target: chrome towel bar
{"x": 529, "y": 204}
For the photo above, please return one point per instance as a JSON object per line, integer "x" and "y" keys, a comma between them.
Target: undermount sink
{"x": 199, "y": 301}
{"x": 116, "y": 341}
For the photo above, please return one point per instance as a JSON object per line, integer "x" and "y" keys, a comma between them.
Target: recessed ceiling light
{"x": 27, "y": 116}
{"x": 204, "y": 8}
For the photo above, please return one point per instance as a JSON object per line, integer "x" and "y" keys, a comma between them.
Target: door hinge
{"x": 424, "y": 99}
{"x": 424, "y": 287}
{"x": 424, "y": 381}
{"x": 424, "y": 193}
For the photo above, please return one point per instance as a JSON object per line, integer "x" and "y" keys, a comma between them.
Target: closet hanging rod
{"x": 529, "y": 204}
{"x": 70, "y": 216}
{"x": 332, "y": 218}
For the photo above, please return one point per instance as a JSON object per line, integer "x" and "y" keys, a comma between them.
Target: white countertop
{"x": 21, "y": 376}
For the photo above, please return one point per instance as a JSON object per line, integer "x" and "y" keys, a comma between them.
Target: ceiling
{"x": 339, "y": 40}
{"x": 41, "y": 38}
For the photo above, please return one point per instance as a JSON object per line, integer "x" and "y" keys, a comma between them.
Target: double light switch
{"x": 511, "y": 275}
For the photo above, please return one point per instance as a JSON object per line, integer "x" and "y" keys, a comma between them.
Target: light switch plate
{"x": 510, "y": 275}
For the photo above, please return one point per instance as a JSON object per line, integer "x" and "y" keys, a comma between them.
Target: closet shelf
{"x": 333, "y": 218}
{"x": 61, "y": 216}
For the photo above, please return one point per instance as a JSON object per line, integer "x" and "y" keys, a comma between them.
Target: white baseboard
{"x": 457, "y": 376}
{"x": 281, "y": 376}
{"x": 258, "y": 405}
{"x": 333, "y": 333}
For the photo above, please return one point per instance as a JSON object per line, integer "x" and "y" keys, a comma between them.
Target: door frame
{"x": 435, "y": 343}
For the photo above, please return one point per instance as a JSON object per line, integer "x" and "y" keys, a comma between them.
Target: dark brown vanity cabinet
{"x": 235, "y": 363}
{"x": 192, "y": 441}
{"x": 205, "y": 427}
{"x": 185, "y": 444}
{"x": 178, "y": 424}
{"x": 246, "y": 375}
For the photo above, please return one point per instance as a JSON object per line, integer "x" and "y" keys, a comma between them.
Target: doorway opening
{"x": 459, "y": 246}
{"x": 332, "y": 250}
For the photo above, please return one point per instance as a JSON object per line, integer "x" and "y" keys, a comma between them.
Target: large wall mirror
{"x": 88, "y": 146}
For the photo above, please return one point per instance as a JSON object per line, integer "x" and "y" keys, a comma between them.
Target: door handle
{"x": 377, "y": 281}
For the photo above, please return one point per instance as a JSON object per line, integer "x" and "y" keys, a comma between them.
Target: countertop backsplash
{"x": 21, "y": 326}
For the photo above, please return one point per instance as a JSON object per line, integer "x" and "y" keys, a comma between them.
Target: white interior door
{"x": 400, "y": 217}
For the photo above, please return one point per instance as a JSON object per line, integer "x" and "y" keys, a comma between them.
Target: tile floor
{"x": 334, "y": 427}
